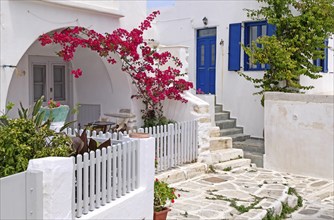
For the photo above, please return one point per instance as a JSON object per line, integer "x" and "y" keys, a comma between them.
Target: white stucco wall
{"x": 299, "y": 134}
{"x": 101, "y": 83}
{"x": 178, "y": 25}
{"x": 23, "y": 21}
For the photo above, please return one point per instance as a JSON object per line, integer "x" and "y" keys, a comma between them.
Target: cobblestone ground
{"x": 210, "y": 195}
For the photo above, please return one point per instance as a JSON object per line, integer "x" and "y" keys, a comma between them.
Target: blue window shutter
{"x": 271, "y": 29}
{"x": 325, "y": 67}
{"x": 234, "y": 49}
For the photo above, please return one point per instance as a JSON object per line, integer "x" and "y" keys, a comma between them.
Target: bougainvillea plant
{"x": 154, "y": 80}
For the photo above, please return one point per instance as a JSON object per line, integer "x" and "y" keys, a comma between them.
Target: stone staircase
{"x": 221, "y": 154}
{"x": 252, "y": 148}
{"x": 228, "y": 126}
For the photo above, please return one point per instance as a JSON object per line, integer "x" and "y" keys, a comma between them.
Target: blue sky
{"x": 159, "y": 3}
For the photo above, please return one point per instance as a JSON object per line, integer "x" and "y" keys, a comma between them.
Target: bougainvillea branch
{"x": 141, "y": 62}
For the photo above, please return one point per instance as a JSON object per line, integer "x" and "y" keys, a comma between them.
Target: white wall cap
{"x": 86, "y": 6}
{"x": 315, "y": 98}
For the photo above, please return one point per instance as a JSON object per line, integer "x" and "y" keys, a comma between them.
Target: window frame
{"x": 247, "y": 26}
{"x": 49, "y": 62}
{"x": 323, "y": 63}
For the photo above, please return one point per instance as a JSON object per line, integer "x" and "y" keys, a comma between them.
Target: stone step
{"x": 218, "y": 108}
{"x": 253, "y": 145}
{"x": 220, "y": 143}
{"x": 182, "y": 173}
{"x": 239, "y": 137}
{"x": 224, "y": 124}
{"x": 254, "y": 157}
{"x": 232, "y": 164}
{"x": 226, "y": 155}
{"x": 222, "y": 116}
{"x": 231, "y": 131}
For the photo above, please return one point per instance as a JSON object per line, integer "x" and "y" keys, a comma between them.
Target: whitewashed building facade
{"x": 29, "y": 70}
{"x": 213, "y": 58}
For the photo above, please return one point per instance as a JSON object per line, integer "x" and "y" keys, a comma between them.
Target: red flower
{"x": 156, "y": 180}
{"x": 172, "y": 201}
{"x": 77, "y": 73}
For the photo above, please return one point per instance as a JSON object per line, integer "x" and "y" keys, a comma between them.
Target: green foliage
{"x": 233, "y": 202}
{"x": 81, "y": 145}
{"x": 227, "y": 169}
{"x": 292, "y": 191}
{"x": 211, "y": 169}
{"x": 27, "y": 138}
{"x": 162, "y": 193}
{"x": 21, "y": 141}
{"x": 301, "y": 29}
{"x": 152, "y": 118}
{"x": 286, "y": 209}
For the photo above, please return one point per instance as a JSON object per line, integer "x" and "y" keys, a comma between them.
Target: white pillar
{"x": 57, "y": 185}
{"x": 146, "y": 172}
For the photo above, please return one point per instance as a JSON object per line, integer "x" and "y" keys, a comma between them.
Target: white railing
{"x": 98, "y": 136}
{"x": 175, "y": 144}
{"x": 104, "y": 175}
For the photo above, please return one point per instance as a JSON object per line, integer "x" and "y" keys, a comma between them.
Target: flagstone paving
{"x": 209, "y": 195}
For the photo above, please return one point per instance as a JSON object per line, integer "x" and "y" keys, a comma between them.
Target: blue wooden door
{"x": 206, "y": 60}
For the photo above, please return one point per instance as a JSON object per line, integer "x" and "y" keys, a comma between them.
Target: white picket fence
{"x": 104, "y": 175}
{"x": 108, "y": 174}
{"x": 176, "y": 144}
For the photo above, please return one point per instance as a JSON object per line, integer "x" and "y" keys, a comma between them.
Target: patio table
{"x": 125, "y": 118}
{"x": 102, "y": 125}
{"x": 120, "y": 115}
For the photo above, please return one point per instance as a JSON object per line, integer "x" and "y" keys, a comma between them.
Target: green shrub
{"x": 20, "y": 141}
{"x": 27, "y": 138}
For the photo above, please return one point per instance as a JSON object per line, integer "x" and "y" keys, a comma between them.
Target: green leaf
{"x": 39, "y": 118}
{"x": 37, "y": 106}
{"x": 66, "y": 125}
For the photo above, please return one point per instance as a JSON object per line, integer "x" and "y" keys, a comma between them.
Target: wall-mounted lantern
{"x": 205, "y": 21}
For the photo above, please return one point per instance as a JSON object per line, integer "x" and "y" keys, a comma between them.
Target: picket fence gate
{"x": 102, "y": 176}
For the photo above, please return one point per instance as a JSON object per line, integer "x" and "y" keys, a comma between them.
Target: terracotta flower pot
{"x": 139, "y": 135}
{"x": 162, "y": 215}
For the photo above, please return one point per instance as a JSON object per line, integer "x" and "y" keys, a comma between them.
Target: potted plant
{"x": 162, "y": 194}
{"x": 56, "y": 113}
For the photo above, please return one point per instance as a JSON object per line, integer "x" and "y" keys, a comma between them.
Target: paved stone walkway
{"x": 210, "y": 195}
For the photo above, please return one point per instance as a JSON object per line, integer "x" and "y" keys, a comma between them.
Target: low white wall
{"x": 210, "y": 99}
{"x": 195, "y": 109}
{"x": 58, "y": 188}
{"x": 21, "y": 196}
{"x": 324, "y": 85}
{"x": 299, "y": 135}
{"x": 179, "y": 111}
{"x": 57, "y": 185}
